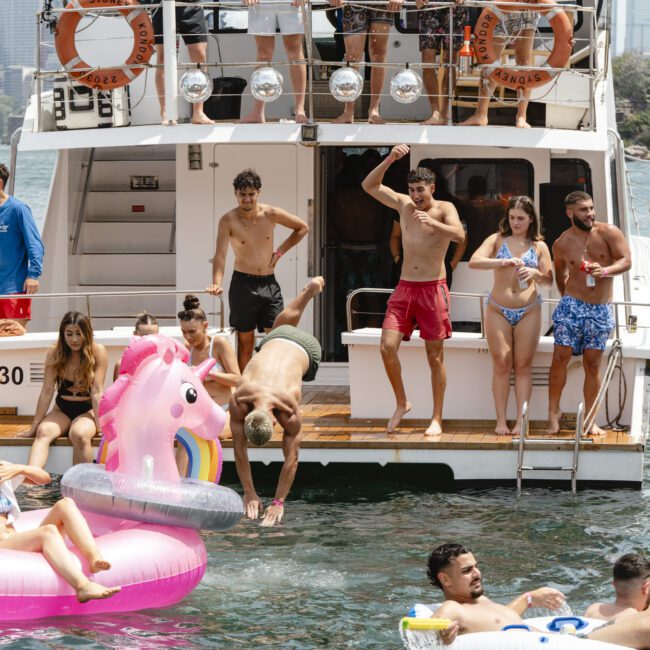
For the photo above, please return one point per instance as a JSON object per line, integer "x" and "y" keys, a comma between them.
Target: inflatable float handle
{"x": 411, "y": 623}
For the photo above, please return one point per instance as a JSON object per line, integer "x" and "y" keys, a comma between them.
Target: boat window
{"x": 480, "y": 189}
{"x": 571, "y": 171}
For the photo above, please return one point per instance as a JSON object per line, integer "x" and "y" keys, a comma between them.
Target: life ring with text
{"x": 104, "y": 78}
{"x": 486, "y": 55}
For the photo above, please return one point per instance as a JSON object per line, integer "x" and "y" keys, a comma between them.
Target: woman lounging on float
{"x": 63, "y": 518}
{"x": 520, "y": 261}
{"x": 76, "y": 367}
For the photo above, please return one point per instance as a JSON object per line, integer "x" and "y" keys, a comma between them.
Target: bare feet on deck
{"x": 475, "y": 121}
{"x": 554, "y": 422}
{"x": 434, "y": 429}
{"x": 522, "y": 123}
{"x": 98, "y": 564}
{"x": 501, "y": 429}
{"x": 201, "y": 118}
{"x": 435, "y": 119}
{"x": 95, "y": 591}
{"x": 596, "y": 431}
{"x": 24, "y": 434}
{"x": 252, "y": 118}
{"x": 516, "y": 430}
{"x": 397, "y": 416}
{"x": 375, "y": 118}
{"x": 315, "y": 285}
{"x": 344, "y": 118}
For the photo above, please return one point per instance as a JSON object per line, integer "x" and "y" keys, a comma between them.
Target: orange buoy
{"x": 486, "y": 54}
{"x": 104, "y": 78}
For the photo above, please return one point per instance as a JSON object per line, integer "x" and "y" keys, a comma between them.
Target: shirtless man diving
{"x": 586, "y": 256}
{"x": 269, "y": 391}
{"x": 422, "y": 295}
{"x": 255, "y": 298}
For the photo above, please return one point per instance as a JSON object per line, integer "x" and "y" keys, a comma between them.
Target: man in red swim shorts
{"x": 421, "y": 296}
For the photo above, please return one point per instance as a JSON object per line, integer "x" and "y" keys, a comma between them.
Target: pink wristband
{"x": 529, "y": 599}
{"x": 278, "y": 253}
{"x": 278, "y": 502}
{"x": 603, "y": 272}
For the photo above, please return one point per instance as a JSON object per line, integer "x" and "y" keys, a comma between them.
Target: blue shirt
{"x": 21, "y": 248}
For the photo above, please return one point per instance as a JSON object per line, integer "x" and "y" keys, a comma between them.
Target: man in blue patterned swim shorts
{"x": 586, "y": 256}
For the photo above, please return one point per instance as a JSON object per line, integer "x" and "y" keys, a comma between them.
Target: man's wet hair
{"x": 421, "y": 175}
{"x": 4, "y": 175}
{"x": 631, "y": 566}
{"x": 258, "y": 427}
{"x": 576, "y": 196}
{"x": 247, "y": 179}
{"x": 440, "y": 558}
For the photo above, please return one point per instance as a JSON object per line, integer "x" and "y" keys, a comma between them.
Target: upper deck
{"x": 572, "y": 111}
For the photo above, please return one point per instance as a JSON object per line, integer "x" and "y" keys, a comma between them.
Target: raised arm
{"x": 219, "y": 260}
{"x": 372, "y": 183}
{"x": 299, "y": 227}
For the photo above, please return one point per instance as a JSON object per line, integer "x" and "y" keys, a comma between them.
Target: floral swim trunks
{"x": 357, "y": 20}
{"x": 433, "y": 26}
{"x": 582, "y": 325}
{"x": 516, "y": 22}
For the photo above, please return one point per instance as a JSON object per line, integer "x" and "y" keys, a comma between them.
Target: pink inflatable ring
{"x": 156, "y": 566}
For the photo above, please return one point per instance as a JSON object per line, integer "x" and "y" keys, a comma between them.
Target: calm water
{"x": 349, "y": 559}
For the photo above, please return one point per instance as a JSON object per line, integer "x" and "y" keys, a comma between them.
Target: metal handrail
{"x": 172, "y": 234}
{"x": 15, "y": 139}
{"x": 88, "y": 295}
{"x": 481, "y": 297}
{"x": 520, "y": 447}
{"x": 576, "y": 446}
{"x": 81, "y": 215}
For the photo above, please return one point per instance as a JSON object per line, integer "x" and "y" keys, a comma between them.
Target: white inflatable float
{"x": 419, "y": 632}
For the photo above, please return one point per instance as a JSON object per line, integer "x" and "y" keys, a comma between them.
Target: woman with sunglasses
{"x": 520, "y": 261}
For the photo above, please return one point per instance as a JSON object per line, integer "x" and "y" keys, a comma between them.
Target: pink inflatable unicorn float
{"x": 141, "y": 512}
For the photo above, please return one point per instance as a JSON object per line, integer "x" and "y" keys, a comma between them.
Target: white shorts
{"x": 264, "y": 19}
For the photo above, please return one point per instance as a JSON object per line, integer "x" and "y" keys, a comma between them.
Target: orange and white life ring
{"x": 486, "y": 55}
{"x": 104, "y": 78}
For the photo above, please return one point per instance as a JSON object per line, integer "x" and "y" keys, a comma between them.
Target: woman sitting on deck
{"x": 520, "y": 260}
{"x": 225, "y": 374}
{"x": 76, "y": 367}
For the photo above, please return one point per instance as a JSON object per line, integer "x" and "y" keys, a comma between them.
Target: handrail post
{"x": 82, "y": 205}
{"x": 13, "y": 159}
{"x": 576, "y": 446}
{"x": 39, "y": 84}
{"x": 171, "y": 60}
{"x": 520, "y": 448}
{"x": 88, "y": 311}
{"x": 305, "y": 9}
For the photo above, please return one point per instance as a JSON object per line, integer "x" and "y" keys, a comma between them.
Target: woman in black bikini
{"x": 76, "y": 367}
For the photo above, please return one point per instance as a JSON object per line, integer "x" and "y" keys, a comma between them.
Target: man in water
{"x": 269, "y": 391}
{"x": 255, "y": 298}
{"x": 21, "y": 254}
{"x": 586, "y": 257}
{"x": 632, "y": 586}
{"x": 453, "y": 568}
{"x": 422, "y": 295}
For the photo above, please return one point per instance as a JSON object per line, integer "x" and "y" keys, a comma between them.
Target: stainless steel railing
{"x": 90, "y": 295}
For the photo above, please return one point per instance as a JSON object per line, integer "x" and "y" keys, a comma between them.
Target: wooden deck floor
{"x": 327, "y": 424}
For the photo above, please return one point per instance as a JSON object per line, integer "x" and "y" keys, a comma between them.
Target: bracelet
{"x": 603, "y": 271}
{"x": 529, "y": 599}
{"x": 278, "y": 253}
{"x": 278, "y": 502}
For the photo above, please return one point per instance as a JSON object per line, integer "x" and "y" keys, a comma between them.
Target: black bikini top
{"x": 65, "y": 389}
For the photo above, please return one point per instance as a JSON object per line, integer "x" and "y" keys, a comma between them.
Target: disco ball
{"x": 195, "y": 86}
{"x": 266, "y": 84}
{"x": 406, "y": 86}
{"x": 346, "y": 84}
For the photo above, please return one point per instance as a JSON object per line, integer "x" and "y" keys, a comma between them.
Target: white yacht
{"x": 134, "y": 206}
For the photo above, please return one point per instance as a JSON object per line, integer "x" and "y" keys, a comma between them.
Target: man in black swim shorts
{"x": 191, "y": 25}
{"x": 254, "y": 298}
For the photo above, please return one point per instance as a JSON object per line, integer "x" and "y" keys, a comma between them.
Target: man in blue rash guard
{"x": 21, "y": 254}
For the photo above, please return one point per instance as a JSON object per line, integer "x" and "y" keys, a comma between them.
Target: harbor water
{"x": 350, "y": 557}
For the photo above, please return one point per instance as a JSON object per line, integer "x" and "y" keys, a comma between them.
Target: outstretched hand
{"x": 273, "y": 515}
{"x": 8, "y": 471}
{"x": 253, "y": 506}
{"x": 399, "y": 151}
{"x": 449, "y": 635}
{"x": 547, "y": 598}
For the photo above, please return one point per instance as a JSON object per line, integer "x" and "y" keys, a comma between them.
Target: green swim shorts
{"x": 306, "y": 341}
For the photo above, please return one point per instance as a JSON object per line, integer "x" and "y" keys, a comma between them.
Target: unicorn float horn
{"x": 203, "y": 369}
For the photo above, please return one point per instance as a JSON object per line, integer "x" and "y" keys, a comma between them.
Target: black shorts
{"x": 190, "y": 24}
{"x": 255, "y": 301}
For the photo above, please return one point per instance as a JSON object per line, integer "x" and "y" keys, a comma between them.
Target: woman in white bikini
{"x": 225, "y": 374}
{"x": 520, "y": 261}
